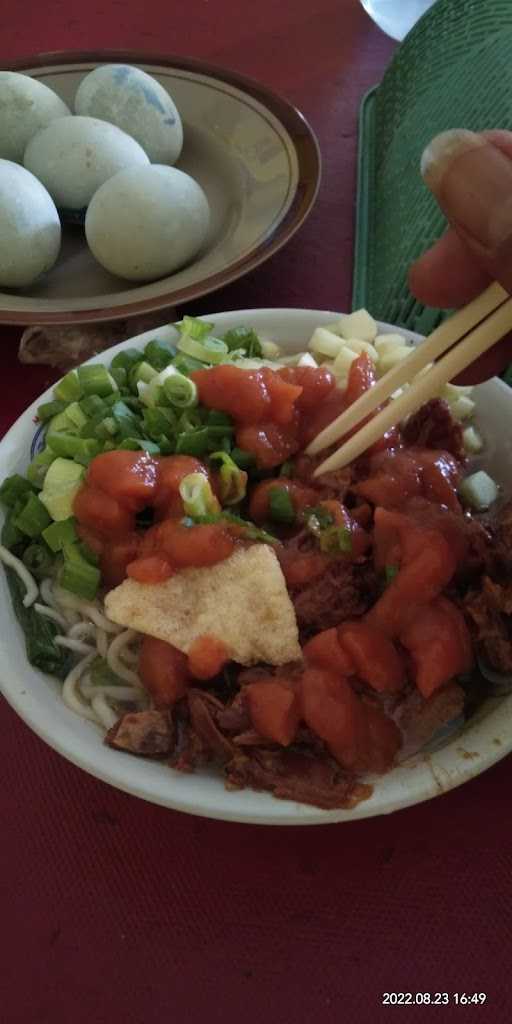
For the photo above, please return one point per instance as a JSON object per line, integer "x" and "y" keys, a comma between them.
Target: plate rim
{"x": 309, "y": 166}
{"x": 416, "y": 782}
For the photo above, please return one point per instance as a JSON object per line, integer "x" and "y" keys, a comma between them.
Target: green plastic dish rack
{"x": 453, "y": 70}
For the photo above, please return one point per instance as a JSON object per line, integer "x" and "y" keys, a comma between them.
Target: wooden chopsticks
{"x": 464, "y": 337}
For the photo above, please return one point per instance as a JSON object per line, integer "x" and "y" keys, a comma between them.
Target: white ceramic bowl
{"x": 486, "y": 738}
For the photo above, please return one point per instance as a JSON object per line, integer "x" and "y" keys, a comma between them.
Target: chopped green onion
{"x": 68, "y": 446}
{"x": 86, "y": 552}
{"x": 38, "y": 560}
{"x": 166, "y": 446}
{"x": 159, "y": 353}
{"x": 245, "y": 460}
{"x": 281, "y": 507}
{"x": 197, "y": 496}
{"x": 107, "y": 429}
{"x": 390, "y": 572}
{"x": 38, "y": 468}
{"x": 186, "y": 364}
{"x": 47, "y": 410}
{"x": 194, "y": 328}
{"x": 159, "y": 420}
{"x": 141, "y": 373}
{"x": 215, "y": 418}
{"x": 287, "y": 469}
{"x": 180, "y": 391}
{"x": 190, "y": 419}
{"x": 62, "y": 423}
{"x": 336, "y": 540}
{"x": 246, "y": 339}
{"x": 62, "y": 483}
{"x": 120, "y": 376}
{"x": 232, "y": 480}
{"x": 251, "y": 531}
{"x": 69, "y": 389}
{"x": 75, "y": 415}
{"x": 317, "y": 519}
{"x": 58, "y": 534}
{"x": 33, "y": 518}
{"x": 15, "y": 488}
{"x": 135, "y": 444}
{"x": 211, "y": 350}
{"x": 102, "y": 675}
{"x": 96, "y": 380}
{"x": 10, "y": 536}
{"x": 127, "y": 424}
{"x": 78, "y": 575}
{"x": 126, "y": 359}
{"x": 93, "y": 406}
{"x": 199, "y": 442}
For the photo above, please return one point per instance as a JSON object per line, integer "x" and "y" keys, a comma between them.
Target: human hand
{"x": 471, "y": 177}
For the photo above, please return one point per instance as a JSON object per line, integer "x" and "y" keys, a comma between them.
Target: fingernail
{"x": 442, "y": 150}
{"x": 472, "y": 181}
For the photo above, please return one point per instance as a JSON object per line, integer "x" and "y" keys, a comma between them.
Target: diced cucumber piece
{"x": 62, "y": 483}
{"x": 479, "y": 491}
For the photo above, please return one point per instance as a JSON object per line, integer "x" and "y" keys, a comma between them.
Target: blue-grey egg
{"x": 137, "y": 103}
{"x": 26, "y": 106}
{"x": 146, "y": 222}
{"x": 75, "y": 155}
{"x": 29, "y": 227}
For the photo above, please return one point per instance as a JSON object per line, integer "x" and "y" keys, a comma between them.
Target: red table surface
{"x": 114, "y": 910}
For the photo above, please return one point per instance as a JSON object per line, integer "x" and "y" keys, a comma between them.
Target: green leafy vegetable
{"x": 39, "y": 632}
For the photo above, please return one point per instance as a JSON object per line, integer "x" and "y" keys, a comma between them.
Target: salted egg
{"x": 26, "y": 106}
{"x": 146, "y": 222}
{"x": 137, "y": 103}
{"x": 75, "y": 155}
{"x": 29, "y": 227}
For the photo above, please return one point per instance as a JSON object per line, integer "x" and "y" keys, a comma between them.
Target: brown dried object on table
{"x": 67, "y": 345}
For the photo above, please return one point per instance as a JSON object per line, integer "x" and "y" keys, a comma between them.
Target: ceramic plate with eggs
{"x": 129, "y": 186}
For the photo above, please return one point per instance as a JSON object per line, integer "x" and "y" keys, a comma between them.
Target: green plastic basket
{"x": 453, "y": 70}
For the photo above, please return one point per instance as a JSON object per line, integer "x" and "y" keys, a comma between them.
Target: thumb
{"x": 471, "y": 177}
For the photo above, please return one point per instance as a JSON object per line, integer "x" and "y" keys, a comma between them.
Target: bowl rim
{"x": 484, "y": 741}
{"x": 309, "y": 169}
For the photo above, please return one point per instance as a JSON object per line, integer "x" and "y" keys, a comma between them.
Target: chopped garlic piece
{"x": 306, "y": 359}
{"x": 269, "y": 349}
{"x": 343, "y": 362}
{"x": 473, "y": 441}
{"x": 463, "y": 408}
{"x": 363, "y": 346}
{"x": 452, "y": 392}
{"x": 325, "y": 343}
{"x": 386, "y": 342}
{"x": 358, "y": 325}
{"x": 391, "y": 359}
